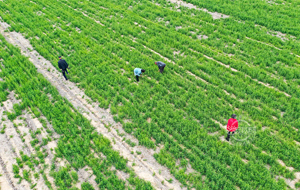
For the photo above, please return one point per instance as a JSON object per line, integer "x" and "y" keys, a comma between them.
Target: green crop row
{"x": 102, "y": 60}
{"x": 77, "y": 137}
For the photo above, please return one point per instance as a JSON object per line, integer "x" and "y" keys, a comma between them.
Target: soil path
{"x": 215, "y": 15}
{"x": 146, "y": 166}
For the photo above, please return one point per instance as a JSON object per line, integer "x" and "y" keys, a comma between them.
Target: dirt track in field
{"x": 146, "y": 166}
{"x": 215, "y": 15}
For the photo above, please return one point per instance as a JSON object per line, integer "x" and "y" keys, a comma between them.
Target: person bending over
{"x": 161, "y": 66}
{"x": 138, "y": 72}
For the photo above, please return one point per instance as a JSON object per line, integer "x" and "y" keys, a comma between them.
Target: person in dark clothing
{"x": 232, "y": 126}
{"x": 161, "y": 66}
{"x": 138, "y": 72}
{"x": 63, "y": 65}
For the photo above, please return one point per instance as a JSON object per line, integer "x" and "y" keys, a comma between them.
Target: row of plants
{"x": 277, "y": 15}
{"x": 78, "y": 142}
{"x": 177, "y": 101}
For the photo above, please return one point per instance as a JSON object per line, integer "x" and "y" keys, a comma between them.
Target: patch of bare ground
{"x": 86, "y": 175}
{"x": 10, "y": 145}
{"x": 283, "y": 164}
{"x": 145, "y": 163}
{"x": 7, "y": 159}
{"x": 189, "y": 169}
{"x": 34, "y": 124}
{"x": 245, "y": 161}
{"x": 122, "y": 175}
{"x": 23, "y": 126}
{"x": 176, "y": 53}
{"x": 268, "y": 166}
{"x": 23, "y": 130}
{"x": 215, "y": 15}
{"x": 178, "y": 27}
{"x": 8, "y": 105}
{"x": 279, "y": 35}
{"x": 222, "y": 138}
{"x": 226, "y": 92}
{"x": 290, "y": 182}
{"x": 200, "y": 37}
{"x": 264, "y": 128}
{"x": 4, "y": 183}
{"x": 297, "y": 143}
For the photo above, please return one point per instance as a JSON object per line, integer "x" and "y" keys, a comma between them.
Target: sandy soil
{"x": 86, "y": 175}
{"x": 4, "y": 183}
{"x": 283, "y": 164}
{"x": 215, "y": 15}
{"x": 99, "y": 116}
{"x": 200, "y": 37}
{"x": 7, "y": 159}
{"x": 15, "y": 144}
{"x": 290, "y": 182}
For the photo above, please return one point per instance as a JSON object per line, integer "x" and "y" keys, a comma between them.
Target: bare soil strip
{"x": 215, "y": 15}
{"x": 146, "y": 166}
{"x": 8, "y": 184}
{"x": 4, "y": 183}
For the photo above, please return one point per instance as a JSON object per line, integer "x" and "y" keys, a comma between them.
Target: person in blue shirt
{"x": 138, "y": 72}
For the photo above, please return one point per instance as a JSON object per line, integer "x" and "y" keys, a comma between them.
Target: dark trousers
{"x": 161, "y": 69}
{"x": 137, "y": 78}
{"x": 228, "y": 135}
{"x": 64, "y": 73}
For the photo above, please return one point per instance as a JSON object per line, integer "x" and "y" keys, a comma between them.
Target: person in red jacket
{"x": 232, "y": 125}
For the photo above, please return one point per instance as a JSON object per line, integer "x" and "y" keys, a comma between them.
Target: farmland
{"x": 103, "y": 130}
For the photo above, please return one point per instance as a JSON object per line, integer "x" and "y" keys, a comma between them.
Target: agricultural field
{"x": 103, "y": 130}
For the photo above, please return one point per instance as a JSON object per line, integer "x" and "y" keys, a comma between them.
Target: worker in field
{"x": 138, "y": 72}
{"x": 232, "y": 126}
{"x": 63, "y": 65}
{"x": 161, "y": 66}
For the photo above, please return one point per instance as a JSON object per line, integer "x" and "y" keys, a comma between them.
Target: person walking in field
{"x": 161, "y": 66}
{"x": 138, "y": 72}
{"x": 232, "y": 126}
{"x": 63, "y": 65}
